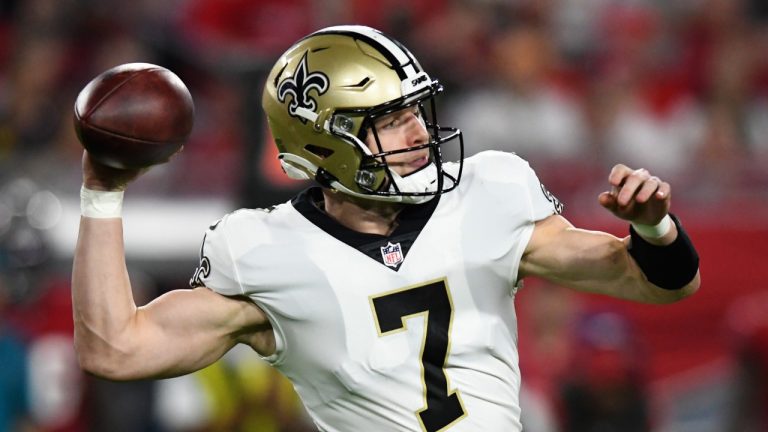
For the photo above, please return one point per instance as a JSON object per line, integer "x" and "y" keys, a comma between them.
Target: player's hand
{"x": 636, "y": 195}
{"x": 100, "y": 177}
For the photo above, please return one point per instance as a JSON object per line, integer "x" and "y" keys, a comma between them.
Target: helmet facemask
{"x": 415, "y": 187}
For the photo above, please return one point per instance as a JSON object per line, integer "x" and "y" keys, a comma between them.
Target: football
{"x": 134, "y": 116}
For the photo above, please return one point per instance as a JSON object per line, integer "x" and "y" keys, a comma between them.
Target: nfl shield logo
{"x": 392, "y": 254}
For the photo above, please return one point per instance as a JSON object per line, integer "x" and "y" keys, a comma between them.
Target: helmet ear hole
{"x": 321, "y": 152}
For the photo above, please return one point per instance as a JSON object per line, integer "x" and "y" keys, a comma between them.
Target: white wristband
{"x": 100, "y": 204}
{"x": 654, "y": 231}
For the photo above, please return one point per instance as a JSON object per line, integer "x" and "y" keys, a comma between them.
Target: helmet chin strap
{"x": 384, "y": 198}
{"x": 423, "y": 180}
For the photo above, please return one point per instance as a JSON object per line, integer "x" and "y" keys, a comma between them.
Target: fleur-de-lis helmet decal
{"x": 298, "y": 87}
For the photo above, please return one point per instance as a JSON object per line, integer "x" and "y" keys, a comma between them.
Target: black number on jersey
{"x": 443, "y": 407}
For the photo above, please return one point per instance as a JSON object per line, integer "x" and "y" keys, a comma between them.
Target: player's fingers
{"x": 647, "y": 189}
{"x": 97, "y": 176}
{"x": 664, "y": 191}
{"x": 632, "y": 185}
{"x": 618, "y": 173}
{"x": 607, "y": 200}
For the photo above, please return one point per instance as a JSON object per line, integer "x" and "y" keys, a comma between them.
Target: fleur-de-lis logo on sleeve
{"x": 298, "y": 87}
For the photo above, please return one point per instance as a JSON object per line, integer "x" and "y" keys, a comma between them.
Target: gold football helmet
{"x": 323, "y": 97}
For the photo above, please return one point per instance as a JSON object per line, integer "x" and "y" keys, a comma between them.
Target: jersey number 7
{"x": 443, "y": 407}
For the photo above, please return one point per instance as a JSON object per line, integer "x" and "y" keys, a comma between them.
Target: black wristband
{"x": 670, "y": 267}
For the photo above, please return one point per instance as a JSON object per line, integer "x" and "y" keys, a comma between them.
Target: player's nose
{"x": 417, "y": 132}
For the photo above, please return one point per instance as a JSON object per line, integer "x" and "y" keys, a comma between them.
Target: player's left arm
{"x": 658, "y": 266}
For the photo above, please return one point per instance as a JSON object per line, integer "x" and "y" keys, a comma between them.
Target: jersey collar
{"x": 410, "y": 222}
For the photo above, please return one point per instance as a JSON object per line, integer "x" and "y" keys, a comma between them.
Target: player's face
{"x": 400, "y": 130}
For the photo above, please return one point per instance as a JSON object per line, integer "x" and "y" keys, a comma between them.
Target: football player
{"x": 385, "y": 293}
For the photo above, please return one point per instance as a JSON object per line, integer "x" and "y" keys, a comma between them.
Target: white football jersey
{"x": 415, "y": 331}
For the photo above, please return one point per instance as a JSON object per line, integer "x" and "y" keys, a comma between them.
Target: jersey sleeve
{"x": 515, "y": 180}
{"x": 217, "y": 269}
{"x": 543, "y": 202}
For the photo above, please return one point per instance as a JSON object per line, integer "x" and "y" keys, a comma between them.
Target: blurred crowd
{"x": 574, "y": 86}
{"x": 680, "y": 88}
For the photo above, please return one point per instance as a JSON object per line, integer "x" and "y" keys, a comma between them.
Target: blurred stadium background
{"x": 574, "y": 86}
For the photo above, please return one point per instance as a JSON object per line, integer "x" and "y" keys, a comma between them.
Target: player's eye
{"x": 403, "y": 116}
{"x": 389, "y": 122}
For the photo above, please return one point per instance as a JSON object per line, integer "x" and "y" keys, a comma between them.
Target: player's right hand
{"x": 100, "y": 177}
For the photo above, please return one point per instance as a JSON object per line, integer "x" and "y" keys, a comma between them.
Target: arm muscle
{"x": 591, "y": 261}
{"x": 177, "y": 333}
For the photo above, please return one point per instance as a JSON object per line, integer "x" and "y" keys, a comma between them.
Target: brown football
{"x": 134, "y": 115}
